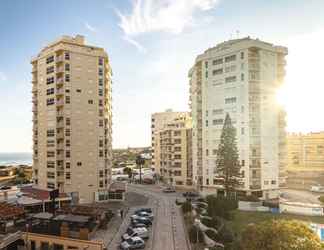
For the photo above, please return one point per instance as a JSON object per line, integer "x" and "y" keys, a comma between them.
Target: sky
{"x": 152, "y": 44}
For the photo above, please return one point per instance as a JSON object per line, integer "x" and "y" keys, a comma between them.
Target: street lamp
{"x": 140, "y": 162}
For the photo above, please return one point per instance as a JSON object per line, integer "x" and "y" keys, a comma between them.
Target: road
{"x": 300, "y": 196}
{"x": 168, "y": 230}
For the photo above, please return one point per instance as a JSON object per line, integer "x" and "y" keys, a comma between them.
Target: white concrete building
{"x": 240, "y": 77}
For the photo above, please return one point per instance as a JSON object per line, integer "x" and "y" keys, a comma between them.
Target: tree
{"x": 279, "y": 234}
{"x": 128, "y": 171}
{"x": 227, "y": 157}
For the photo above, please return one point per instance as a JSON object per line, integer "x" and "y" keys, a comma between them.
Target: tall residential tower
{"x": 72, "y": 119}
{"x": 240, "y": 77}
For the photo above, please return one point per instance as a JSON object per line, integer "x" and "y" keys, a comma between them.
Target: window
{"x": 50, "y": 185}
{"x": 242, "y": 77}
{"x": 230, "y": 79}
{"x": 101, "y": 173}
{"x": 177, "y": 157}
{"x": 67, "y": 143}
{"x": 67, "y": 56}
{"x": 242, "y": 55}
{"x": 67, "y": 91}
{"x": 100, "y": 143}
{"x": 79, "y": 163}
{"x": 101, "y": 184}
{"x": 218, "y": 122}
{"x": 51, "y": 164}
{"x": 67, "y": 67}
{"x": 230, "y": 68}
{"x": 206, "y": 123}
{"x": 242, "y": 163}
{"x": 50, "y": 143}
{"x": 177, "y": 173}
{"x": 100, "y": 82}
{"x": 230, "y": 100}
{"x": 177, "y": 133}
{"x": 90, "y": 101}
{"x": 50, "y": 101}
{"x": 207, "y": 181}
{"x": 230, "y": 58}
{"x": 100, "y": 112}
{"x": 100, "y": 72}
{"x": 68, "y": 121}
{"x": 100, "y": 153}
{"x": 177, "y": 149}
{"x": 67, "y": 132}
{"x": 50, "y": 175}
{"x": 50, "y": 133}
{"x": 67, "y": 99}
{"x": 273, "y": 182}
{"x": 177, "y": 141}
{"x": 67, "y": 78}
{"x": 50, "y": 80}
{"x": 242, "y": 131}
{"x": 217, "y": 111}
{"x": 218, "y": 61}
{"x": 100, "y": 123}
{"x": 67, "y": 154}
{"x": 100, "y": 103}
{"x": 100, "y": 92}
{"x": 206, "y": 64}
{"x": 67, "y": 164}
{"x": 218, "y": 71}
{"x": 67, "y": 175}
{"x": 207, "y": 152}
{"x": 49, "y": 69}
{"x": 50, "y": 153}
{"x": 50, "y": 91}
{"x": 101, "y": 61}
{"x": 78, "y": 90}
{"x": 49, "y": 59}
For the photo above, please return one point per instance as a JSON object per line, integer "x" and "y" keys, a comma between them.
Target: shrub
{"x": 211, "y": 234}
{"x": 214, "y": 222}
{"x": 321, "y": 198}
{"x": 193, "y": 235}
{"x": 221, "y": 206}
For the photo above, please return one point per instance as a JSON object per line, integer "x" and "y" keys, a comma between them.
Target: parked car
{"x": 143, "y": 209}
{"x": 169, "y": 190}
{"x": 190, "y": 194}
{"x": 143, "y": 214}
{"x": 132, "y": 232}
{"x": 141, "y": 220}
{"x": 136, "y": 225}
{"x": 132, "y": 243}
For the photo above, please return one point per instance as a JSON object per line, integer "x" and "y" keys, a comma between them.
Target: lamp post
{"x": 140, "y": 162}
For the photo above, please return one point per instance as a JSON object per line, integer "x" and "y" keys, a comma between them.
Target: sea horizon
{"x": 15, "y": 158}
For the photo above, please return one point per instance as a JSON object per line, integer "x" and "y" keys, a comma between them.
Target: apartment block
{"x": 174, "y": 149}
{"x": 158, "y": 122}
{"x": 305, "y": 151}
{"x": 240, "y": 77}
{"x": 72, "y": 119}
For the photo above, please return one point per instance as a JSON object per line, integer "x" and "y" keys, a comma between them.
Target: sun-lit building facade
{"x": 72, "y": 118}
{"x": 240, "y": 77}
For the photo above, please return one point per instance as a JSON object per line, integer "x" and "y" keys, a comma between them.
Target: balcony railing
{"x": 59, "y": 113}
{"x": 59, "y": 59}
{"x": 60, "y": 91}
{"x": 59, "y": 80}
{"x": 59, "y": 102}
{"x": 59, "y": 70}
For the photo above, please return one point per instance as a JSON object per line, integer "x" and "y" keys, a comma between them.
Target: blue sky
{"x": 152, "y": 44}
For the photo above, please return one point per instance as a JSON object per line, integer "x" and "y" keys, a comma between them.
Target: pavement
{"x": 167, "y": 231}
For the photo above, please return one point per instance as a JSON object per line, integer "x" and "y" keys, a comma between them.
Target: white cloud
{"x": 89, "y": 27}
{"x": 171, "y": 16}
{"x": 3, "y": 77}
{"x": 136, "y": 44}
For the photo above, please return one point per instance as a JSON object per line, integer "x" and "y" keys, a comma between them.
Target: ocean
{"x": 15, "y": 159}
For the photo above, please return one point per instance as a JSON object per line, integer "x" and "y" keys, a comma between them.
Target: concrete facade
{"x": 72, "y": 118}
{"x": 240, "y": 77}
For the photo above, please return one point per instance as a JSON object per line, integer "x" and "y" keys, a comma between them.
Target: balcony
{"x": 60, "y": 135}
{"x": 59, "y": 113}
{"x": 60, "y": 178}
{"x": 35, "y": 109}
{"x": 59, "y": 81}
{"x": 60, "y": 157}
{"x": 60, "y": 124}
{"x": 60, "y": 91}
{"x": 59, "y": 70}
{"x": 60, "y": 102}
{"x": 59, "y": 59}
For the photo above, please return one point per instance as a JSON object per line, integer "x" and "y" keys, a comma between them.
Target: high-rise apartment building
{"x": 174, "y": 149}
{"x": 158, "y": 122}
{"x": 305, "y": 151}
{"x": 72, "y": 119}
{"x": 240, "y": 77}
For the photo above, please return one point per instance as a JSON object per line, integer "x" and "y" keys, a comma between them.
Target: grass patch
{"x": 242, "y": 218}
